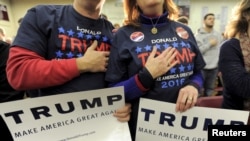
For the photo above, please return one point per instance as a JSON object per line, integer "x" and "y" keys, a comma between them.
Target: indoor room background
{"x": 12, "y": 10}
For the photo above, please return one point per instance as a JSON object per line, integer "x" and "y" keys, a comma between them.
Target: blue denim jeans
{"x": 210, "y": 76}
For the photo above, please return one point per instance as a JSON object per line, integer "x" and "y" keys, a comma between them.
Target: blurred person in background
{"x": 209, "y": 41}
{"x": 3, "y": 36}
{"x": 234, "y": 59}
{"x": 183, "y": 19}
{"x": 7, "y": 92}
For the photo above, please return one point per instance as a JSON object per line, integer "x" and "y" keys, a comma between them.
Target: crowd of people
{"x": 130, "y": 58}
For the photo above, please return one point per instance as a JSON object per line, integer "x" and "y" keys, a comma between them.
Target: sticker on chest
{"x": 137, "y": 36}
{"x": 182, "y": 32}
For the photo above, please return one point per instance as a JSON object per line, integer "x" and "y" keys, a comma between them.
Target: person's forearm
{"x": 197, "y": 80}
{"x": 27, "y": 70}
{"x": 132, "y": 88}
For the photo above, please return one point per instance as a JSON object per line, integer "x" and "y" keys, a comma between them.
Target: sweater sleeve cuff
{"x": 195, "y": 85}
{"x": 145, "y": 78}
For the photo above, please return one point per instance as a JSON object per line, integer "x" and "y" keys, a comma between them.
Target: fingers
{"x": 102, "y": 55}
{"x": 171, "y": 63}
{"x": 93, "y": 60}
{"x": 124, "y": 118}
{"x": 106, "y": 62}
{"x": 187, "y": 98}
{"x": 153, "y": 53}
{"x": 123, "y": 114}
{"x": 159, "y": 63}
{"x": 93, "y": 45}
{"x": 183, "y": 104}
{"x": 124, "y": 109}
{"x": 106, "y": 53}
{"x": 169, "y": 54}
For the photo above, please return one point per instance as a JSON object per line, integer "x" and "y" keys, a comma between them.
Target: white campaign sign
{"x": 75, "y": 116}
{"x": 158, "y": 121}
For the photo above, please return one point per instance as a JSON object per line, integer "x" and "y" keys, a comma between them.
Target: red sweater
{"x": 24, "y": 70}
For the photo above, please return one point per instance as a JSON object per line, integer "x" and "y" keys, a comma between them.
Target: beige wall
{"x": 18, "y": 8}
{"x": 8, "y": 26}
{"x": 213, "y": 6}
{"x": 113, "y": 11}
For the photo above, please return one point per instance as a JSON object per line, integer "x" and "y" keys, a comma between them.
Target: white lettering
{"x": 87, "y": 31}
{"x": 164, "y": 40}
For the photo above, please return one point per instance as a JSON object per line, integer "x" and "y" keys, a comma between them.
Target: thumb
{"x": 152, "y": 54}
{"x": 93, "y": 45}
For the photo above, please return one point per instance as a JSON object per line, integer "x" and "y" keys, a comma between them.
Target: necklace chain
{"x": 154, "y": 30}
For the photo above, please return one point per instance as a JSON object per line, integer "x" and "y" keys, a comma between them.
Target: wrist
{"x": 81, "y": 65}
{"x": 145, "y": 78}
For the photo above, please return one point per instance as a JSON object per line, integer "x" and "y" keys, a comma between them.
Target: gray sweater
{"x": 210, "y": 53}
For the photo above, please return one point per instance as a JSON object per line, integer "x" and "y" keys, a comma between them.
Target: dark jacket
{"x": 7, "y": 93}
